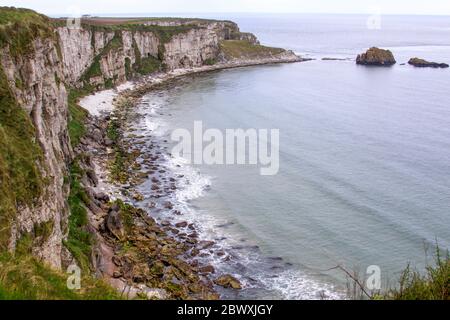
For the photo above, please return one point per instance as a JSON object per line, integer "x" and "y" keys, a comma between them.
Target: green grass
{"x": 21, "y": 180}
{"x": 235, "y": 49}
{"x": 80, "y": 241}
{"x": 19, "y": 27}
{"x": 93, "y": 71}
{"x": 142, "y": 66}
{"x": 210, "y": 62}
{"x": 22, "y": 277}
{"x": 148, "y": 65}
{"x": 43, "y": 231}
{"x": 433, "y": 285}
{"x": 77, "y": 116}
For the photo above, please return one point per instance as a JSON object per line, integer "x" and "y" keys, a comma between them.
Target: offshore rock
{"x": 421, "y": 63}
{"x": 376, "y": 57}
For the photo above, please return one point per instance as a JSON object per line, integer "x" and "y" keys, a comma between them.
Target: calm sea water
{"x": 364, "y": 154}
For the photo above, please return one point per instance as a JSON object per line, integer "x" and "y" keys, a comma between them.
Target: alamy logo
{"x": 374, "y": 278}
{"x": 257, "y": 147}
{"x": 74, "y": 18}
{"x": 74, "y": 279}
{"x": 374, "y": 20}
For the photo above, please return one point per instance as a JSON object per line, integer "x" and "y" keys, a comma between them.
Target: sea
{"x": 364, "y": 167}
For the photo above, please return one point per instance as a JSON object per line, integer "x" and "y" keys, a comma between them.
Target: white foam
{"x": 294, "y": 285}
{"x": 194, "y": 184}
{"x": 290, "y": 284}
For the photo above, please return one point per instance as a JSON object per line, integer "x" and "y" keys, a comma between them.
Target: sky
{"x": 66, "y": 7}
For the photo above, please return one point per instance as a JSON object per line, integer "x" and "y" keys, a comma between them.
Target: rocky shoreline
{"x": 138, "y": 255}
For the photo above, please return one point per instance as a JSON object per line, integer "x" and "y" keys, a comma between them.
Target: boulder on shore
{"x": 376, "y": 57}
{"x": 228, "y": 281}
{"x": 421, "y": 63}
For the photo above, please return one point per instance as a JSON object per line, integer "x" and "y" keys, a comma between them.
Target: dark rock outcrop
{"x": 228, "y": 281}
{"x": 421, "y": 63}
{"x": 376, "y": 57}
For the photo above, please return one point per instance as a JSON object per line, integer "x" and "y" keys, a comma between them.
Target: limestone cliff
{"x": 104, "y": 56}
{"x": 33, "y": 82}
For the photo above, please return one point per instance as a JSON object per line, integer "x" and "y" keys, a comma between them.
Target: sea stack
{"x": 376, "y": 57}
{"x": 421, "y": 63}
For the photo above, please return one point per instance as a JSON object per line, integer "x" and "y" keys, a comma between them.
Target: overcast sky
{"x": 53, "y": 7}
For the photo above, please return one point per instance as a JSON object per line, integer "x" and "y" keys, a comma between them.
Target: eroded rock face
{"x": 421, "y": 63}
{"x": 147, "y": 43}
{"x": 191, "y": 49}
{"x": 376, "y": 57}
{"x": 77, "y": 52}
{"x": 43, "y": 96}
{"x": 80, "y": 48}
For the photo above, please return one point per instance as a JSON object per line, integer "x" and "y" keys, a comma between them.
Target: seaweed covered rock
{"x": 146, "y": 257}
{"x": 228, "y": 281}
{"x": 376, "y": 57}
{"x": 421, "y": 63}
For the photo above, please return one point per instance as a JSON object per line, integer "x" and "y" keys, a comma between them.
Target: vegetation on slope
{"x": 19, "y": 27}
{"x": 77, "y": 116}
{"x": 23, "y": 277}
{"x": 95, "y": 69}
{"x": 80, "y": 240}
{"x": 142, "y": 66}
{"x": 241, "y": 49}
{"x": 114, "y": 21}
{"x": 20, "y": 178}
{"x": 433, "y": 285}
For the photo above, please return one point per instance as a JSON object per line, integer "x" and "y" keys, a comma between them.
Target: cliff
{"x": 103, "y": 56}
{"x": 44, "y": 67}
{"x": 34, "y": 141}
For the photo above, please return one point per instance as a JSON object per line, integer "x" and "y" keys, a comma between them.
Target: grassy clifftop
{"x": 18, "y": 27}
{"x": 241, "y": 49}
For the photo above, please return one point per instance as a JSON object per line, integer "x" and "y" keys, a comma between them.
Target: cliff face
{"x": 35, "y": 85}
{"x": 191, "y": 49}
{"x": 102, "y": 58}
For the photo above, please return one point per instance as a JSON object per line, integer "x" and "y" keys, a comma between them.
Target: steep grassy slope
{"x": 18, "y": 27}
{"x": 20, "y": 178}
